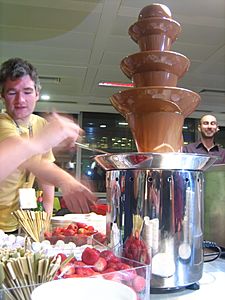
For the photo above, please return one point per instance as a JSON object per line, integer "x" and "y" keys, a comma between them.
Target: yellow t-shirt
{"x": 9, "y": 188}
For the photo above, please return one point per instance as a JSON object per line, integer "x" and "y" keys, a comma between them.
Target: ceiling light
{"x": 102, "y": 126}
{"x": 115, "y": 84}
{"x": 45, "y": 97}
{"x": 50, "y": 79}
{"x": 123, "y": 123}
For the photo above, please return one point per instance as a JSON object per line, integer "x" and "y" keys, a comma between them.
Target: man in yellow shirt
{"x": 20, "y": 90}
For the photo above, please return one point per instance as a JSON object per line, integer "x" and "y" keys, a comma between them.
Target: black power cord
{"x": 214, "y": 247}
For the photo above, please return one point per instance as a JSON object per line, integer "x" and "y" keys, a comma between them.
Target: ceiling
{"x": 77, "y": 44}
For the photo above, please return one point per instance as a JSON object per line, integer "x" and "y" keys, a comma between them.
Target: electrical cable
{"x": 213, "y": 246}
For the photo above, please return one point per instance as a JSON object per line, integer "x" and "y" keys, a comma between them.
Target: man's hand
{"x": 78, "y": 198}
{"x": 59, "y": 129}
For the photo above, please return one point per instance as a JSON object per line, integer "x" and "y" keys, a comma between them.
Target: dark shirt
{"x": 199, "y": 148}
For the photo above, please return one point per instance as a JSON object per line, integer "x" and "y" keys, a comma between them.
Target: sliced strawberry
{"x": 62, "y": 255}
{"x": 100, "y": 265}
{"x": 79, "y": 263}
{"x": 90, "y": 256}
{"x": 73, "y": 226}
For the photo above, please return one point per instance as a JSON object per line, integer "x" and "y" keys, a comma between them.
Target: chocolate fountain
{"x": 158, "y": 185}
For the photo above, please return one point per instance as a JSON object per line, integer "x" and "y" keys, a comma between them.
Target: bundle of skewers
{"x": 33, "y": 223}
{"x": 20, "y": 272}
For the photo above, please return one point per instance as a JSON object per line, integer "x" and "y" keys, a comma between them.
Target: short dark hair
{"x": 200, "y": 121}
{"x": 15, "y": 68}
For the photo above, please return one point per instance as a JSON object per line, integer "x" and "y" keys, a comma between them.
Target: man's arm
{"x": 48, "y": 195}
{"x": 78, "y": 198}
{"x": 14, "y": 150}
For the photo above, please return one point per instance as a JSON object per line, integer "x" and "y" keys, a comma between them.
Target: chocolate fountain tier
{"x": 155, "y": 68}
{"x": 156, "y": 125}
{"x": 157, "y": 161}
{"x": 185, "y": 99}
{"x": 155, "y": 33}
{"x": 126, "y": 105}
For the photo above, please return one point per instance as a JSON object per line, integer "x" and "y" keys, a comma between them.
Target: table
{"x": 212, "y": 285}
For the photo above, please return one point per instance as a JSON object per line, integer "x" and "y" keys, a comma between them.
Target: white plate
{"x": 83, "y": 289}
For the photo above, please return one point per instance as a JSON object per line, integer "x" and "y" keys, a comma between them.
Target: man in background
{"x": 20, "y": 90}
{"x": 208, "y": 128}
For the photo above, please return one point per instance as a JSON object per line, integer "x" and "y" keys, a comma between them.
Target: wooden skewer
{"x": 34, "y": 223}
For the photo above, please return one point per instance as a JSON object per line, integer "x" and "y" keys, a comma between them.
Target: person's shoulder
{"x": 4, "y": 116}
{"x": 7, "y": 127}
{"x": 5, "y": 120}
{"x": 189, "y": 147}
{"x": 221, "y": 147}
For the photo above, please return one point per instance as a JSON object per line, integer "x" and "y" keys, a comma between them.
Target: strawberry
{"x": 136, "y": 249}
{"x": 128, "y": 274}
{"x": 113, "y": 276}
{"x": 100, "y": 265}
{"x": 122, "y": 266}
{"x": 90, "y": 228}
{"x": 100, "y": 237}
{"x": 109, "y": 273}
{"x": 69, "y": 232}
{"x": 57, "y": 230}
{"x": 71, "y": 276}
{"x": 108, "y": 270}
{"x": 82, "y": 231}
{"x": 108, "y": 255}
{"x": 78, "y": 264}
{"x": 81, "y": 225}
{"x": 68, "y": 269}
{"x": 84, "y": 271}
{"x": 90, "y": 256}
{"x": 47, "y": 235}
{"x": 73, "y": 226}
{"x": 138, "y": 283}
{"x": 62, "y": 255}
{"x": 113, "y": 265}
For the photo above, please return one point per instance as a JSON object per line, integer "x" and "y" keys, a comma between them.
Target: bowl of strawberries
{"x": 77, "y": 232}
{"x": 101, "y": 262}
